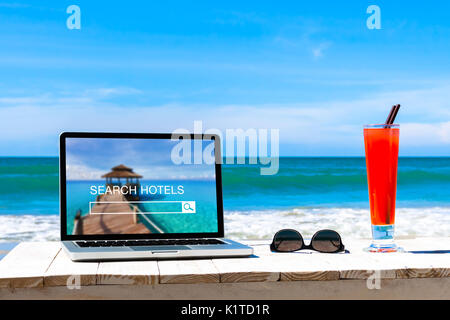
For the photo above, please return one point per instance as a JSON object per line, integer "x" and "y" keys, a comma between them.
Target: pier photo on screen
{"x": 132, "y": 186}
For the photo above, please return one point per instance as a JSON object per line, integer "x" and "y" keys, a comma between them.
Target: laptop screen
{"x": 140, "y": 186}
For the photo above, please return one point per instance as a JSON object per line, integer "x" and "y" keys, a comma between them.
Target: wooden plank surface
{"x": 65, "y": 272}
{"x": 409, "y": 265}
{"x": 25, "y": 265}
{"x": 251, "y": 269}
{"x": 188, "y": 271}
{"x": 306, "y": 267}
{"x": 296, "y": 266}
{"x": 360, "y": 266}
{"x": 128, "y": 273}
{"x": 391, "y": 289}
{"x": 43, "y": 264}
{"x": 256, "y": 268}
{"x": 426, "y": 265}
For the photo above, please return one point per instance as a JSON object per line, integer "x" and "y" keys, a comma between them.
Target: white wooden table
{"x": 43, "y": 271}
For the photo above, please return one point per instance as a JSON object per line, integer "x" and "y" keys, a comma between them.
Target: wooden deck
{"x": 43, "y": 271}
{"x": 99, "y": 223}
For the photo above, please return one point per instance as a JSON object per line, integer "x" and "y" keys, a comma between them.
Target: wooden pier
{"x": 125, "y": 217}
{"x": 123, "y": 220}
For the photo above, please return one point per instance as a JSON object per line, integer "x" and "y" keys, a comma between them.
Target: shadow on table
{"x": 430, "y": 251}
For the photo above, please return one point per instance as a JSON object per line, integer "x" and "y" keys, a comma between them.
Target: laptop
{"x": 128, "y": 196}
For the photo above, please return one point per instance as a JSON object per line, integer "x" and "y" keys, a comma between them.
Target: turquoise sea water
{"x": 308, "y": 192}
{"x": 202, "y": 191}
{"x": 29, "y": 186}
{"x": 333, "y": 182}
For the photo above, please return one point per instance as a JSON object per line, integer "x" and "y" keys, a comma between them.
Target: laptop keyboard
{"x": 153, "y": 242}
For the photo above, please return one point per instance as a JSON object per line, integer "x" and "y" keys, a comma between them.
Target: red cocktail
{"x": 381, "y": 142}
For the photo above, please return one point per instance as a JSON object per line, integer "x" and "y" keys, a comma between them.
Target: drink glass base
{"x": 383, "y": 248}
{"x": 383, "y": 240}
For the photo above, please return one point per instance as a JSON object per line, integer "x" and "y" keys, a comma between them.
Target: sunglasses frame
{"x": 308, "y": 247}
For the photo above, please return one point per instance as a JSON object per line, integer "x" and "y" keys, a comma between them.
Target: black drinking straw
{"x": 392, "y": 115}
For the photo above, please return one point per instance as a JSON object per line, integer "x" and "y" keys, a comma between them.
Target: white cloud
{"x": 424, "y": 118}
{"x": 108, "y": 92}
{"x": 416, "y": 134}
{"x": 444, "y": 132}
{"x": 81, "y": 172}
{"x": 318, "y": 51}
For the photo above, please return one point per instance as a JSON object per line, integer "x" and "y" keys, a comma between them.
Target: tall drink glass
{"x": 381, "y": 144}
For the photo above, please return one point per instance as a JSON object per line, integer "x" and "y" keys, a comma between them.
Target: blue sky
{"x": 89, "y": 159}
{"x": 311, "y": 69}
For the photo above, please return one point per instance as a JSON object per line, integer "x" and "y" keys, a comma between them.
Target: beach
{"x": 307, "y": 194}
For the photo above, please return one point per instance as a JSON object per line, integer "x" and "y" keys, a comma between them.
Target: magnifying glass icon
{"x": 188, "y": 207}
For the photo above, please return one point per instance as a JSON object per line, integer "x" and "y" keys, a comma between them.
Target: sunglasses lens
{"x": 287, "y": 241}
{"x": 326, "y": 241}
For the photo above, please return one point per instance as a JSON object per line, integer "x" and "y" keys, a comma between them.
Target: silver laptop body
{"x": 112, "y": 211}
{"x": 229, "y": 249}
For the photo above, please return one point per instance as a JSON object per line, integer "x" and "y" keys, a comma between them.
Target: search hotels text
{"x": 133, "y": 189}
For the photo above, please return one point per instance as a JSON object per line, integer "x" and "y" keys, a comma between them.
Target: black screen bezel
{"x": 63, "y": 192}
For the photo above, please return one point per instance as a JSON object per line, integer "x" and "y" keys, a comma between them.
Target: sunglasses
{"x": 325, "y": 241}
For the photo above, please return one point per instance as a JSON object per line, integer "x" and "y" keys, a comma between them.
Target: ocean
{"x": 307, "y": 194}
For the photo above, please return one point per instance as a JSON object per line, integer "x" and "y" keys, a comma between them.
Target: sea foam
{"x": 15, "y": 228}
{"x": 263, "y": 224}
{"x": 349, "y": 222}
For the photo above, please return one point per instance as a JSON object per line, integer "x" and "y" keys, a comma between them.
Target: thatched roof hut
{"x": 122, "y": 172}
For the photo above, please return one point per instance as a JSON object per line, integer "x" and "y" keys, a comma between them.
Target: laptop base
{"x": 229, "y": 249}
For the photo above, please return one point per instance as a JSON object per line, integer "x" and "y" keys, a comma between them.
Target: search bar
{"x": 142, "y": 207}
